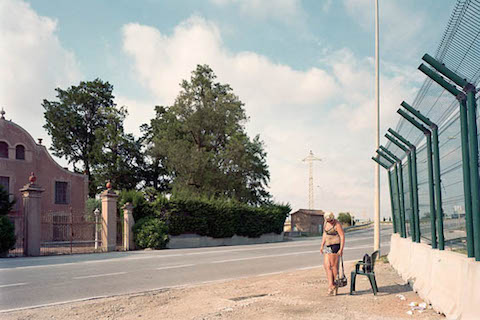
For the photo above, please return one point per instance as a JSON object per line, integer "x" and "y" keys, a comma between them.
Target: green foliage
{"x": 221, "y": 218}
{"x": 141, "y": 208}
{"x": 344, "y": 217}
{"x": 201, "y": 142}
{"x": 153, "y": 171}
{"x": 217, "y": 218}
{"x": 5, "y": 204}
{"x": 87, "y": 128}
{"x": 150, "y": 232}
{"x": 7, "y": 235}
{"x": 120, "y": 160}
{"x": 92, "y": 204}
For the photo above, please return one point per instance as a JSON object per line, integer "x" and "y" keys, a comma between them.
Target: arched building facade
{"x": 20, "y": 155}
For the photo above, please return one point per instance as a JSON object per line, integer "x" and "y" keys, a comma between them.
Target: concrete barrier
{"x": 196, "y": 241}
{"x": 449, "y": 281}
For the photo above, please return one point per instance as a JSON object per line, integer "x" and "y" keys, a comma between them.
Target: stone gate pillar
{"x": 128, "y": 223}
{"x": 109, "y": 219}
{"x": 32, "y": 212}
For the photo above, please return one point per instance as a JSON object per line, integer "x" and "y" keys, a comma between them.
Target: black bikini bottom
{"x": 333, "y": 248}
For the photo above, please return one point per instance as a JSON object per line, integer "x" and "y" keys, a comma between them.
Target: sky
{"x": 304, "y": 69}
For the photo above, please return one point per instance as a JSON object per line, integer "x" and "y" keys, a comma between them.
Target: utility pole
{"x": 310, "y": 160}
{"x": 376, "y": 238}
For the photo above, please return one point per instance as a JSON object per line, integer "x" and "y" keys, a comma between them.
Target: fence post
{"x": 109, "y": 219}
{"x": 413, "y": 149}
{"x": 32, "y": 206}
{"x": 128, "y": 223}
{"x": 97, "y": 213}
{"x": 431, "y": 192}
{"x": 432, "y": 184}
{"x": 475, "y": 183}
{"x": 410, "y": 182}
{"x": 397, "y": 190}
{"x": 438, "y": 189}
{"x": 401, "y": 195}
{"x": 390, "y": 183}
{"x": 467, "y": 190}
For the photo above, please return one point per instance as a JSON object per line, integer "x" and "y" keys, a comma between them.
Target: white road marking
{"x": 303, "y": 243}
{"x": 157, "y": 289}
{"x": 13, "y": 285}
{"x": 267, "y": 256}
{"x": 100, "y": 275}
{"x": 174, "y": 267}
{"x": 186, "y": 254}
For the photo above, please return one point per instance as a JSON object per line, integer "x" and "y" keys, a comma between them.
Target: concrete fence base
{"x": 196, "y": 241}
{"x": 449, "y": 281}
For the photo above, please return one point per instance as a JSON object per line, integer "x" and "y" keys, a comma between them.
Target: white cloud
{"x": 162, "y": 62}
{"x": 285, "y": 10}
{"x": 139, "y": 112}
{"x": 328, "y": 111}
{"x": 33, "y": 64}
{"x": 401, "y": 26}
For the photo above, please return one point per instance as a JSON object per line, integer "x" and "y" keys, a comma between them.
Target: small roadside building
{"x": 305, "y": 220}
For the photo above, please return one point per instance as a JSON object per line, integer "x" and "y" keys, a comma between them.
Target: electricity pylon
{"x": 310, "y": 160}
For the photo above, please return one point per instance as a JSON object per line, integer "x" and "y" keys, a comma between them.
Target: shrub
{"x": 150, "y": 232}
{"x": 7, "y": 235}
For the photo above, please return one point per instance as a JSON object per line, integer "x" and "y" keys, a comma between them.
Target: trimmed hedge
{"x": 215, "y": 218}
{"x": 221, "y": 218}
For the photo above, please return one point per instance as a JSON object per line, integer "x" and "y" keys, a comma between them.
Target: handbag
{"x": 341, "y": 281}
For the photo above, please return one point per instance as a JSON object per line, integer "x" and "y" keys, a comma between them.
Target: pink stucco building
{"x": 20, "y": 155}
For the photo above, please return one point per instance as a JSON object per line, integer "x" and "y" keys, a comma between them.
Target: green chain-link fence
{"x": 440, "y": 200}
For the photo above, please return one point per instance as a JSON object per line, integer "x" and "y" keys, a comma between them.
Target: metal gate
{"x": 68, "y": 233}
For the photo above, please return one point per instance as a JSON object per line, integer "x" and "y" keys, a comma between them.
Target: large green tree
{"x": 84, "y": 122}
{"x": 156, "y": 177}
{"x": 119, "y": 158}
{"x": 202, "y": 142}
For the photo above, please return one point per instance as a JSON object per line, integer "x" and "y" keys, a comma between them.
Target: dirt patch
{"x": 291, "y": 295}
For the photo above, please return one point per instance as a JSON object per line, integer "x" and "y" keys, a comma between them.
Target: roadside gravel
{"x": 291, "y": 295}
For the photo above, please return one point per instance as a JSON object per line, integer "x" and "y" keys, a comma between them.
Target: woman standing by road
{"x": 334, "y": 238}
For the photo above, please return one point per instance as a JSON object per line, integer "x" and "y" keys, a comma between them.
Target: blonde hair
{"x": 329, "y": 215}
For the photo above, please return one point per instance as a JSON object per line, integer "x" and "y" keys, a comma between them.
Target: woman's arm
{"x": 323, "y": 240}
{"x": 342, "y": 238}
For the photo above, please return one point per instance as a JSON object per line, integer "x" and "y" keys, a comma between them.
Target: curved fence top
{"x": 459, "y": 50}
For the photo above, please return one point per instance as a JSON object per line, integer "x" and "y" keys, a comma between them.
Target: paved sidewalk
{"x": 292, "y": 295}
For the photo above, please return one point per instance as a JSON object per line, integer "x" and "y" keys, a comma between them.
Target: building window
{"x": 3, "y": 150}
{"x": 20, "y": 153}
{"x": 61, "y": 189}
{"x": 5, "y": 183}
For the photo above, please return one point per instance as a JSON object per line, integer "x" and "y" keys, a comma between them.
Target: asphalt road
{"x": 40, "y": 281}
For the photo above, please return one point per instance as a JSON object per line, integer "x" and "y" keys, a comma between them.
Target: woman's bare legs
{"x": 328, "y": 270}
{"x": 334, "y": 264}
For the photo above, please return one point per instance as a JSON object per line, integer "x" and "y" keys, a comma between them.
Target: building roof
{"x": 309, "y": 212}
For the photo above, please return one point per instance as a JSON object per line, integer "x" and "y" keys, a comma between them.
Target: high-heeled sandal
{"x": 330, "y": 291}
{"x": 335, "y": 291}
